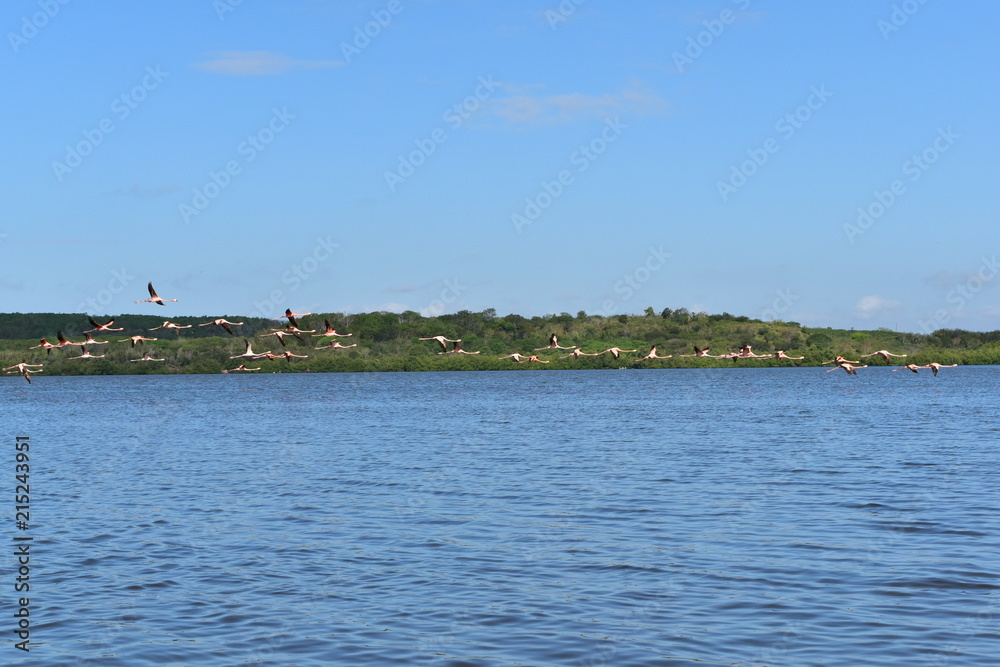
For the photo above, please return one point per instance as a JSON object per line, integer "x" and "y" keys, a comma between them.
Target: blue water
{"x": 640, "y": 517}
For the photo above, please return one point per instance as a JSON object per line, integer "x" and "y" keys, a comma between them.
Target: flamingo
{"x": 934, "y": 366}
{"x": 241, "y": 367}
{"x": 146, "y": 357}
{"x": 850, "y": 368}
{"x": 698, "y": 352}
{"x": 744, "y": 353}
{"x": 518, "y": 357}
{"x": 535, "y": 358}
{"x": 291, "y": 316}
{"x": 335, "y": 345}
{"x": 441, "y": 340}
{"x": 167, "y": 324}
{"x": 554, "y": 345}
{"x": 909, "y": 367}
{"x": 136, "y": 339}
{"x": 577, "y": 353}
{"x": 63, "y": 342}
{"x": 89, "y": 340}
{"x": 780, "y": 354}
{"x": 45, "y": 344}
{"x": 839, "y": 360}
{"x": 102, "y": 327}
{"x": 249, "y": 353}
{"x": 330, "y": 331}
{"x": 287, "y": 355}
{"x": 87, "y": 355}
{"x": 280, "y": 335}
{"x": 457, "y": 349}
{"x": 616, "y": 351}
{"x": 885, "y": 354}
{"x": 154, "y": 297}
{"x": 228, "y": 326}
{"x": 23, "y": 369}
{"x": 652, "y": 355}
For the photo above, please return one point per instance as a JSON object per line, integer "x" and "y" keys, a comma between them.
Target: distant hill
{"x": 388, "y": 342}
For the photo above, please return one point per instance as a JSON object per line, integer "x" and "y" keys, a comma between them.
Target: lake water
{"x": 640, "y": 517}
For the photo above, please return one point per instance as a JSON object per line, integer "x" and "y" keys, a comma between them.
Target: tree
{"x": 649, "y": 312}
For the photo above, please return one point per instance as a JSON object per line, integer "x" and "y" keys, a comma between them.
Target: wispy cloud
{"x": 531, "y": 105}
{"x": 874, "y": 306}
{"x": 259, "y": 63}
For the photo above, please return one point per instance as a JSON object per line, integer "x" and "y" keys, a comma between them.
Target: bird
{"x": 287, "y": 355}
{"x": 577, "y": 353}
{"x": 249, "y": 353}
{"x": 330, "y": 331}
{"x": 136, "y": 339}
{"x": 554, "y": 345}
{"x": 457, "y": 349}
{"x": 535, "y": 358}
{"x": 698, "y": 352}
{"x": 652, "y": 355}
{"x": 516, "y": 356}
{"x": 23, "y": 369}
{"x": 616, "y": 351}
{"x": 850, "y": 368}
{"x": 909, "y": 367}
{"x": 167, "y": 324}
{"x": 780, "y": 354}
{"x": 89, "y": 340}
{"x": 146, "y": 357}
{"x": 291, "y": 316}
{"x": 241, "y": 367}
{"x": 87, "y": 355}
{"x": 45, "y": 344}
{"x": 154, "y": 297}
{"x": 102, "y": 327}
{"x": 335, "y": 345}
{"x": 280, "y": 335}
{"x": 228, "y": 326}
{"x": 744, "y": 353}
{"x": 441, "y": 340}
{"x": 934, "y": 366}
{"x": 63, "y": 342}
{"x": 885, "y": 354}
{"x": 839, "y": 360}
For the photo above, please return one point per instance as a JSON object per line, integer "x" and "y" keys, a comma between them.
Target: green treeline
{"x": 388, "y": 342}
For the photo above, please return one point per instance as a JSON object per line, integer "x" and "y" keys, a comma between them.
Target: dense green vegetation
{"x": 388, "y": 342}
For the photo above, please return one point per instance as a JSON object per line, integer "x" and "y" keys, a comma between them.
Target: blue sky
{"x": 831, "y": 164}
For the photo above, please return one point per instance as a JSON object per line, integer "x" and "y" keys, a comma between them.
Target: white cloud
{"x": 522, "y": 105}
{"x": 259, "y": 63}
{"x": 875, "y": 306}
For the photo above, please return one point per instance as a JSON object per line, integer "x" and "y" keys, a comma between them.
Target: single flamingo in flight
{"x": 102, "y": 327}
{"x": 136, "y": 340}
{"x": 616, "y": 351}
{"x": 330, "y": 331}
{"x": 554, "y": 345}
{"x": 280, "y": 335}
{"x": 839, "y": 360}
{"x": 909, "y": 367}
{"x": 167, "y": 324}
{"x": 146, "y": 357}
{"x": 517, "y": 356}
{"x": 457, "y": 349}
{"x": 45, "y": 344}
{"x": 780, "y": 354}
{"x": 885, "y": 354}
{"x": 850, "y": 368}
{"x": 154, "y": 297}
{"x": 577, "y": 353}
{"x": 698, "y": 352}
{"x": 442, "y": 341}
{"x": 239, "y": 368}
{"x": 335, "y": 345}
{"x": 934, "y": 366}
{"x": 249, "y": 353}
{"x": 228, "y": 326}
{"x": 87, "y": 355}
{"x": 652, "y": 355}
{"x": 535, "y": 358}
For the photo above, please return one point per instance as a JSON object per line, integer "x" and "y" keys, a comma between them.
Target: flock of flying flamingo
{"x": 292, "y": 330}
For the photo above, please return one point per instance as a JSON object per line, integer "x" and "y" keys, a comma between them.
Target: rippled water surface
{"x": 659, "y": 517}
